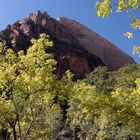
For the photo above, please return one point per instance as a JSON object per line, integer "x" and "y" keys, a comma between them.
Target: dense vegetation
{"x": 36, "y": 104}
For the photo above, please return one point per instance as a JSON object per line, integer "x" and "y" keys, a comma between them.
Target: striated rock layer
{"x": 75, "y": 46}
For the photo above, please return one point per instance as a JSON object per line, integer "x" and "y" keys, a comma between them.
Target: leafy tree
{"x": 126, "y": 76}
{"x": 95, "y": 115}
{"x": 27, "y": 83}
{"x": 104, "y": 7}
{"x": 106, "y": 81}
{"x": 101, "y": 78}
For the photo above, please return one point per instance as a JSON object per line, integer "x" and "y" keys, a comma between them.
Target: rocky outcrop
{"x": 75, "y": 47}
{"x": 112, "y": 56}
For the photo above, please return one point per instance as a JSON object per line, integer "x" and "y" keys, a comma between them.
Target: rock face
{"x": 75, "y": 46}
{"x": 111, "y": 56}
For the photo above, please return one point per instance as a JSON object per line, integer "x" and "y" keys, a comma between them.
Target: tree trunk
{"x": 14, "y": 132}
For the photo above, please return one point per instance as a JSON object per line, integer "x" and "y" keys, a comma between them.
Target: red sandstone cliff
{"x": 112, "y": 56}
{"x": 76, "y": 47}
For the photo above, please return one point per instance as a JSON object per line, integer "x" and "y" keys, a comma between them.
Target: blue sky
{"x": 80, "y": 10}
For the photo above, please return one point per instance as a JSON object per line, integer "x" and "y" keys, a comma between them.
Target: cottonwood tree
{"x": 94, "y": 114}
{"x": 27, "y": 92}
